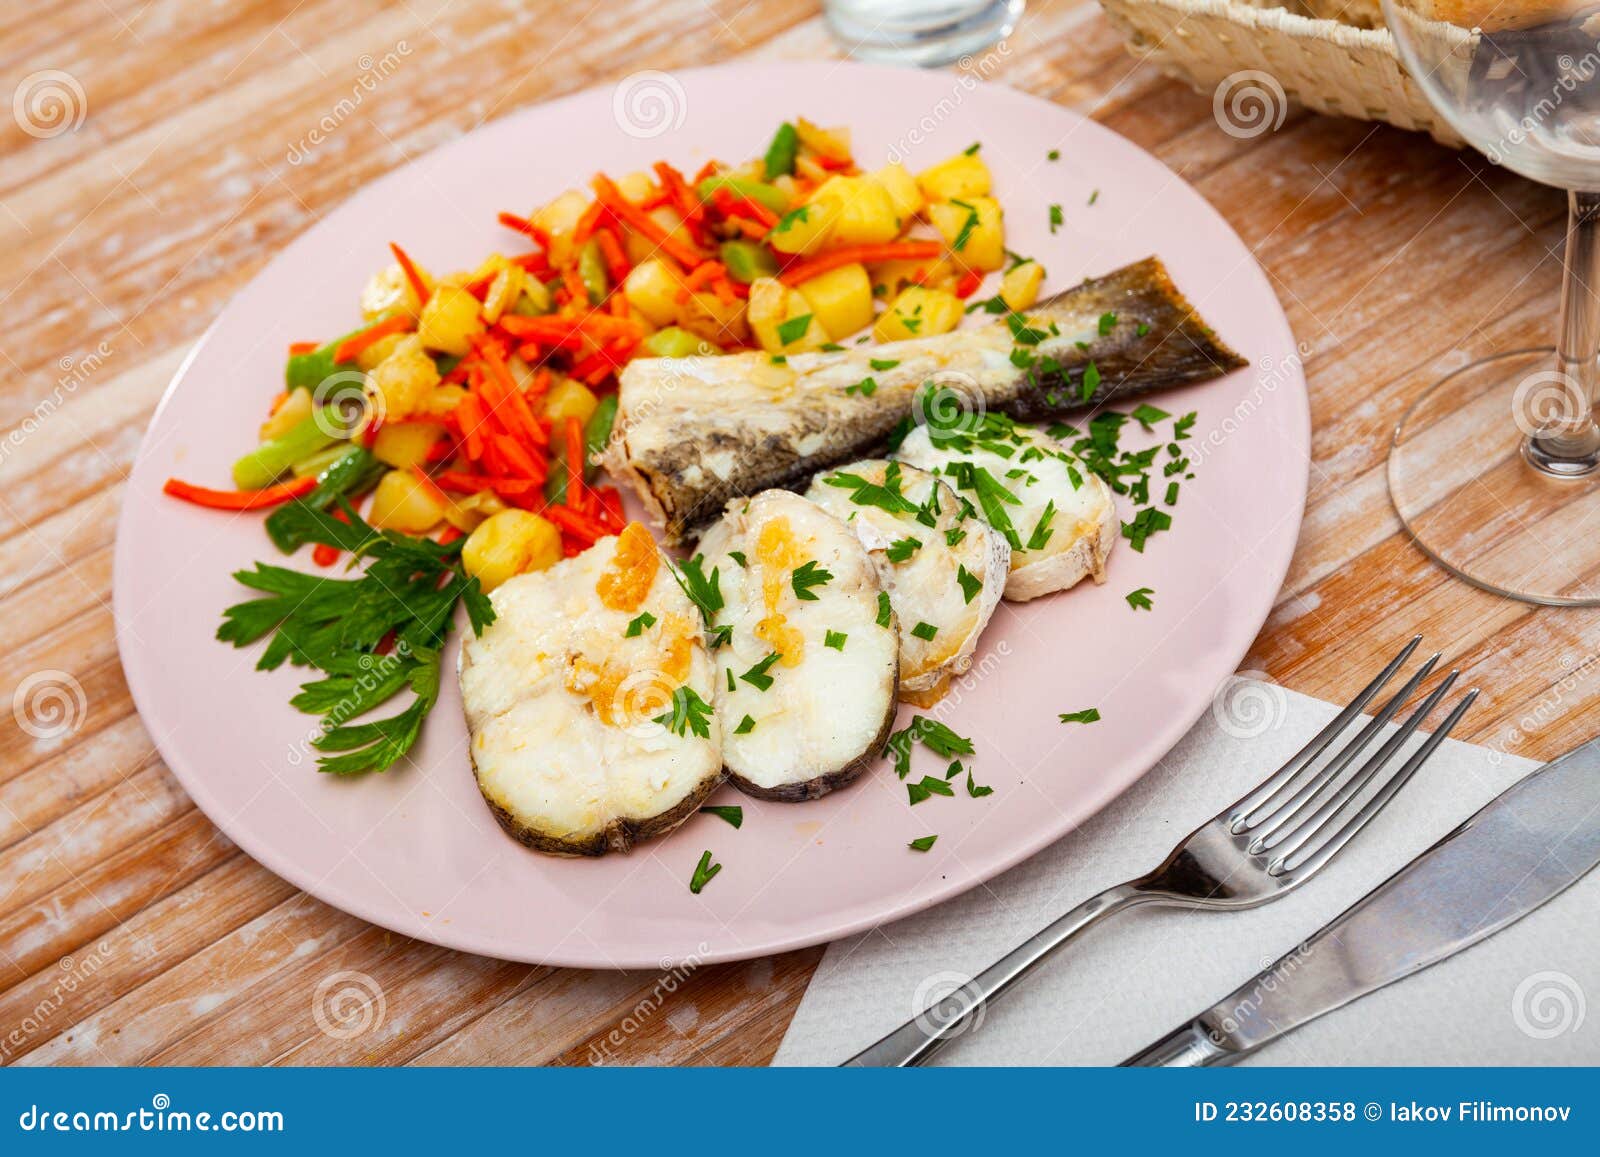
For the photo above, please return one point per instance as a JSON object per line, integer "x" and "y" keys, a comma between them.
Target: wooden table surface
{"x": 131, "y": 930}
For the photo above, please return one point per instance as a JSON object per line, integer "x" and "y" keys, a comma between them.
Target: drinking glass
{"x": 920, "y": 32}
{"x": 1495, "y": 470}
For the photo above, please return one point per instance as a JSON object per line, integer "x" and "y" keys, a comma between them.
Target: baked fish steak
{"x": 694, "y": 433}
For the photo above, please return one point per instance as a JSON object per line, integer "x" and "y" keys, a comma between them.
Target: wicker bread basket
{"x": 1251, "y": 54}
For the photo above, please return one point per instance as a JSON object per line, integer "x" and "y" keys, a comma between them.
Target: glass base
{"x": 925, "y": 33}
{"x": 1463, "y": 479}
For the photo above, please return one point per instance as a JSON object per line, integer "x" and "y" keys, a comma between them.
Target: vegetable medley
{"x": 475, "y": 405}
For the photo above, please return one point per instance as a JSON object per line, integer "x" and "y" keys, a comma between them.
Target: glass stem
{"x": 1570, "y": 446}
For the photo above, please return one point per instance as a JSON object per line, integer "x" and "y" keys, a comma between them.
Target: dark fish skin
{"x": 694, "y": 433}
{"x": 1176, "y": 349}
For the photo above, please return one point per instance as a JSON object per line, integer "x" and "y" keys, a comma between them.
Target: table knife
{"x": 1526, "y": 845}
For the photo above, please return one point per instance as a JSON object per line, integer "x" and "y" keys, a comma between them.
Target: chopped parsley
{"x": 1091, "y": 382}
{"x": 902, "y": 548}
{"x": 1140, "y": 600}
{"x": 1108, "y": 322}
{"x": 794, "y": 328}
{"x": 1171, "y": 498}
{"x": 1180, "y": 428}
{"x": 972, "y": 149}
{"x": 733, "y": 814}
{"x": 1148, "y": 521}
{"x": 866, "y": 387}
{"x": 930, "y": 786}
{"x": 1147, "y": 415}
{"x": 967, "y": 226}
{"x": 1141, "y": 329}
{"x": 807, "y": 576}
{"x": 738, "y": 557}
{"x": 835, "y": 639}
{"x": 922, "y": 843}
{"x": 1041, "y": 531}
{"x": 881, "y": 364}
{"x": 703, "y": 591}
{"x": 732, "y": 686}
{"x": 1087, "y": 715}
{"x": 932, "y": 734}
{"x": 689, "y": 713}
{"x": 703, "y": 873}
{"x": 746, "y": 726}
{"x": 975, "y": 789}
{"x": 883, "y": 608}
{"x": 925, "y": 631}
{"x": 637, "y": 626}
{"x": 1053, "y": 155}
{"x": 757, "y": 676}
{"x": 885, "y": 496}
{"x": 1056, "y": 218}
{"x": 1094, "y": 196}
{"x": 971, "y": 584}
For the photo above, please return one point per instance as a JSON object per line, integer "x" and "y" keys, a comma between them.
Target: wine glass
{"x": 1495, "y": 470}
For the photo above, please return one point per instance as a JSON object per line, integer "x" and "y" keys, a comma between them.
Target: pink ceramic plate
{"x": 415, "y": 850}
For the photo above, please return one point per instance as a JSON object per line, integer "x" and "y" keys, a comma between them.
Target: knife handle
{"x": 1192, "y": 1046}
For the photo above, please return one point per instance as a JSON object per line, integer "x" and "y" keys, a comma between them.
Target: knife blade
{"x": 1528, "y": 844}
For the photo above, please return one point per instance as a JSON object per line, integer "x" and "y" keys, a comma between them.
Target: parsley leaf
{"x": 733, "y": 814}
{"x": 1056, "y": 218}
{"x": 1140, "y": 600}
{"x": 807, "y": 576}
{"x": 704, "y": 592}
{"x": 746, "y": 726}
{"x": 925, "y": 631}
{"x": 703, "y": 873}
{"x": 930, "y": 786}
{"x": 975, "y": 789}
{"x": 835, "y": 639}
{"x": 971, "y": 584}
{"x": 866, "y": 387}
{"x": 757, "y": 676}
{"x": 1091, "y": 382}
{"x": 638, "y": 625}
{"x": 922, "y": 843}
{"x": 793, "y": 329}
{"x": 1041, "y": 530}
{"x": 1087, "y": 715}
{"x": 1108, "y": 322}
{"x": 902, "y": 548}
{"x": 883, "y": 608}
{"x": 1147, "y": 415}
{"x": 881, "y": 364}
{"x": 689, "y": 712}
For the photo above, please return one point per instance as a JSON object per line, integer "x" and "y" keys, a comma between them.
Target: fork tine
{"x": 1320, "y": 741}
{"x": 1354, "y": 823}
{"x": 1284, "y": 814}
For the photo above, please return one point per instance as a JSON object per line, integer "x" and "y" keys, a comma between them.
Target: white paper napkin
{"x": 1519, "y": 997}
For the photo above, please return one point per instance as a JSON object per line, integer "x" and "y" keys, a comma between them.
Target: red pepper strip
{"x": 575, "y": 464}
{"x": 688, "y": 204}
{"x": 709, "y": 169}
{"x": 448, "y": 535}
{"x": 350, "y": 349}
{"x": 296, "y": 348}
{"x": 580, "y": 526}
{"x": 323, "y": 554}
{"x": 369, "y": 436}
{"x": 535, "y": 263}
{"x": 241, "y": 499}
{"x": 851, "y": 254}
{"x": 520, "y": 224}
{"x": 610, "y": 511}
{"x": 968, "y": 285}
{"x": 611, "y": 249}
{"x": 441, "y": 451}
{"x": 640, "y": 222}
{"x": 418, "y": 286}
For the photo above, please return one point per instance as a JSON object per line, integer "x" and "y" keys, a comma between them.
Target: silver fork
{"x": 1272, "y": 840}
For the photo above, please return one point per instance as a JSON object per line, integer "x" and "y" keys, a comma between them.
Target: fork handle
{"x": 918, "y": 1039}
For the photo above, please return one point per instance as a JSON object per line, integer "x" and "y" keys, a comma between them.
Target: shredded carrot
{"x": 428, "y": 484}
{"x": 350, "y": 348}
{"x": 968, "y": 285}
{"x": 576, "y": 290}
{"x": 851, "y": 254}
{"x": 296, "y": 348}
{"x": 418, "y": 286}
{"x": 448, "y": 535}
{"x": 640, "y": 222}
{"x": 749, "y": 228}
{"x": 469, "y": 421}
{"x": 574, "y": 435}
{"x": 517, "y": 457}
{"x": 682, "y": 197}
{"x": 611, "y": 250}
{"x": 580, "y": 526}
{"x": 587, "y": 222}
{"x": 520, "y": 224}
{"x": 737, "y": 205}
{"x": 508, "y": 404}
{"x": 240, "y": 499}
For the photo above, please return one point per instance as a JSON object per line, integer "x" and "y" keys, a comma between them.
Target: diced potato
{"x": 558, "y": 220}
{"x": 510, "y": 543}
{"x": 441, "y": 401}
{"x": 405, "y": 444}
{"x": 468, "y": 511}
{"x": 1019, "y": 288}
{"x": 901, "y": 187}
{"x": 375, "y": 353}
{"x": 807, "y": 229}
{"x": 450, "y": 321}
{"x": 708, "y": 316}
{"x": 296, "y": 408}
{"x": 406, "y": 503}
{"x": 535, "y": 300}
{"x": 651, "y": 288}
{"x": 834, "y": 144}
{"x": 772, "y": 304}
{"x": 503, "y": 292}
{"x": 919, "y": 312}
{"x": 389, "y": 292}
{"x": 866, "y": 212}
{"x": 963, "y": 177}
{"x": 636, "y": 186}
{"x": 401, "y": 383}
{"x": 890, "y": 277}
{"x": 973, "y": 230}
{"x": 841, "y": 299}
{"x": 570, "y": 398}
